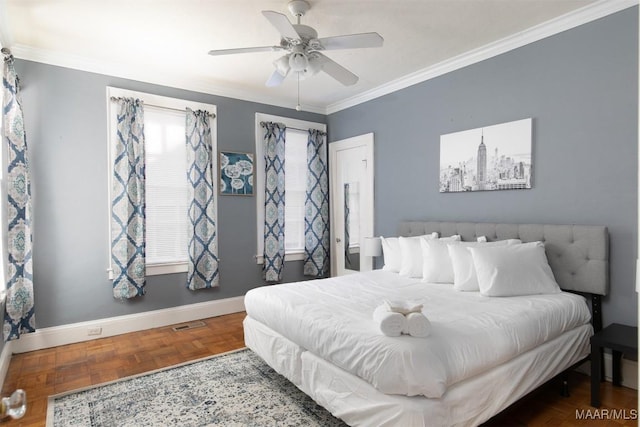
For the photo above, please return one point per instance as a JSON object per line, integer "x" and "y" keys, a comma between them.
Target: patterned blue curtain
{"x": 19, "y": 307}
{"x": 203, "y": 244}
{"x": 128, "y": 202}
{"x": 274, "y": 139}
{"x": 316, "y": 216}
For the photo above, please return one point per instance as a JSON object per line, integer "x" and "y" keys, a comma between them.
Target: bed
{"x": 320, "y": 335}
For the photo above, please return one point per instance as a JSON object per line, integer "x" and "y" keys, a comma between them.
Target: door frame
{"x": 366, "y": 230}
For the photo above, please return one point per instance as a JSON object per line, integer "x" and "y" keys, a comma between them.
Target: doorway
{"x": 351, "y": 200}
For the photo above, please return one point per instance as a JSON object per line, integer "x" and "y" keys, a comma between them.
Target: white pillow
{"x": 436, "y": 264}
{"x": 391, "y": 253}
{"x": 464, "y": 272}
{"x": 513, "y": 270}
{"x": 411, "y": 254}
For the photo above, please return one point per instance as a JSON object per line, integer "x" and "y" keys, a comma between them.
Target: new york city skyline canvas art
{"x": 496, "y": 157}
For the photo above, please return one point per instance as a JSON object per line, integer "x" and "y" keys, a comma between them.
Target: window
{"x": 166, "y": 185}
{"x": 165, "y": 177}
{"x": 295, "y": 184}
{"x": 295, "y": 163}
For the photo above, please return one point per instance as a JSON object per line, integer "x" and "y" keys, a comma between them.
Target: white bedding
{"x": 465, "y": 404}
{"x": 471, "y": 334}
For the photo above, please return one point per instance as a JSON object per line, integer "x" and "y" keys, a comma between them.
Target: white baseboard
{"x": 5, "y": 359}
{"x": 78, "y": 332}
{"x": 629, "y": 370}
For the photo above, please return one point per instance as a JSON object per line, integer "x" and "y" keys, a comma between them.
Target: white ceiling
{"x": 166, "y": 41}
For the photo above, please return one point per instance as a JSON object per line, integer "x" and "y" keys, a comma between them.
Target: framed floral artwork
{"x": 236, "y": 174}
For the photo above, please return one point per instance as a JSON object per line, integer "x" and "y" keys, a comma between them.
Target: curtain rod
{"x": 119, "y": 98}
{"x": 291, "y": 127}
{"x": 6, "y": 52}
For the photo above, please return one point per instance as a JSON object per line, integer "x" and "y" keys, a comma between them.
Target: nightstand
{"x": 620, "y": 339}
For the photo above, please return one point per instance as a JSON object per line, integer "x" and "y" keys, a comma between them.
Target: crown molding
{"x": 149, "y": 75}
{"x": 549, "y": 28}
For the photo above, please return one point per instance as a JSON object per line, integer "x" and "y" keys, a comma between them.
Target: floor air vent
{"x": 185, "y": 326}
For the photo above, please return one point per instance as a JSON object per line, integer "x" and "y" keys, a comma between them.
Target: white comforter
{"x": 470, "y": 334}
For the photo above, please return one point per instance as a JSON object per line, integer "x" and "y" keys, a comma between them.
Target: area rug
{"x": 233, "y": 389}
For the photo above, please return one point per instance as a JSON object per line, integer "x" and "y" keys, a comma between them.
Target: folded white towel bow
{"x": 390, "y": 323}
{"x": 402, "y": 307}
{"x": 418, "y": 325}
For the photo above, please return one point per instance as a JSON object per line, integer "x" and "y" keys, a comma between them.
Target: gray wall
{"x": 581, "y": 89}
{"x": 66, "y": 124}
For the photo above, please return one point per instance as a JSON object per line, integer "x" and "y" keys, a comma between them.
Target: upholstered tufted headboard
{"x": 577, "y": 254}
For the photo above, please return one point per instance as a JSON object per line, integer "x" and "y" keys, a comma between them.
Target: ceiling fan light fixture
{"x": 282, "y": 65}
{"x": 298, "y": 61}
{"x": 315, "y": 65}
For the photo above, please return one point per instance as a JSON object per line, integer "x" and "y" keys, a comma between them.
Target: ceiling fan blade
{"x": 244, "y": 50}
{"x": 337, "y": 71}
{"x": 352, "y": 41}
{"x": 276, "y": 79}
{"x": 282, "y": 24}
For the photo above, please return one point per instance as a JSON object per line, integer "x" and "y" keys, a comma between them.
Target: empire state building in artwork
{"x": 481, "y": 172}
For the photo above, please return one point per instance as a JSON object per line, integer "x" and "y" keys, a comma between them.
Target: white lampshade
{"x": 282, "y": 65}
{"x": 298, "y": 61}
{"x": 372, "y": 246}
{"x": 315, "y": 65}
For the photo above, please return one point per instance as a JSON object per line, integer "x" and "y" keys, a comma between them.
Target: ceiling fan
{"x": 304, "y": 55}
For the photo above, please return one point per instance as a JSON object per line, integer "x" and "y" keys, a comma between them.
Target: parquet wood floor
{"x": 45, "y": 372}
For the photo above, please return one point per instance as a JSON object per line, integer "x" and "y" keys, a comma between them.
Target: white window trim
{"x": 162, "y": 102}
{"x": 259, "y": 166}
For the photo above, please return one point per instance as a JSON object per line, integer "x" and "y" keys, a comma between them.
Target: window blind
{"x": 295, "y": 165}
{"x": 166, "y": 185}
